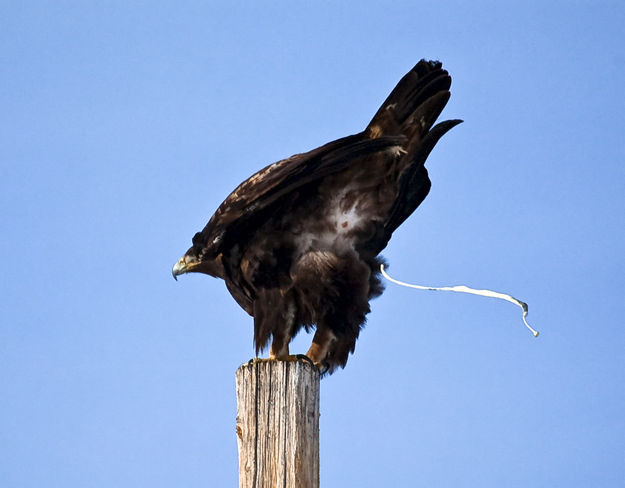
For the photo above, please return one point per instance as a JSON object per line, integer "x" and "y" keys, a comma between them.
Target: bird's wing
{"x": 250, "y": 204}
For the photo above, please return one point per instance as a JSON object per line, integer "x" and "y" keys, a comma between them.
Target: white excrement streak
{"x": 472, "y": 291}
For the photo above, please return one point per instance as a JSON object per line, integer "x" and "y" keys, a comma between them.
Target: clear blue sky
{"x": 125, "y": 124}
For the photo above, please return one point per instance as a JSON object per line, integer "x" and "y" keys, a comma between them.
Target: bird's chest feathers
{"x": 338, "y": 222}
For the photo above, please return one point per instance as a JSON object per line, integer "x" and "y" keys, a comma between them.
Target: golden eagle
{"x": 297, "y": 243}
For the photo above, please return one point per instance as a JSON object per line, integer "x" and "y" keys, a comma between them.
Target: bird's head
{"x": 198, "y": 260}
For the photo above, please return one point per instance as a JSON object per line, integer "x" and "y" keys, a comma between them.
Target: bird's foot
{"x": 323, "y": 367}
{"x": 287, "y": 358}
{"x": 261, "y": 360}
{"x": 303, "y": 357}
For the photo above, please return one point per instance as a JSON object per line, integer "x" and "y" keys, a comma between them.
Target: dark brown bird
{"x": 297, "y": 243}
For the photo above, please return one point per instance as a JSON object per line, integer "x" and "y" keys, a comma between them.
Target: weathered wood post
{"x": 278, "y": 424}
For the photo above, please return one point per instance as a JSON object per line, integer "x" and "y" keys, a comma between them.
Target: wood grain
{"x": 278, "y": 424}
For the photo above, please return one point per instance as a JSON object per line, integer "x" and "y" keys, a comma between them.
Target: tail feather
{"x": 422, "y": 119}
{"x": 411, "y": 110}
{"x": 439, "y": 84}
{"x": 423, "y": 81}
{"x": 415, "y": 183}
{"x": 432, "y": 137}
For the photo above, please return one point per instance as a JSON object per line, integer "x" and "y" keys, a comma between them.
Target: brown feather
{"x": 297, "y": 243}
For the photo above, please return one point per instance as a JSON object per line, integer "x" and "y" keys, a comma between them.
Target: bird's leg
{"x": 279, "y": 351}
{"x": 279, "y": 348}
{"x": 320, "y": 346}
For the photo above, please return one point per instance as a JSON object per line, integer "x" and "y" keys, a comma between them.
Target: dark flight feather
{"x": 297, "y": 243}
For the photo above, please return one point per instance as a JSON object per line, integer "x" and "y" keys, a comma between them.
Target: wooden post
{"x": 278, "y": 424}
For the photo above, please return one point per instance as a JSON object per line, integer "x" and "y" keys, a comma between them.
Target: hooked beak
{"x": 179, "y": 268}
{"x": 190, "y": 263}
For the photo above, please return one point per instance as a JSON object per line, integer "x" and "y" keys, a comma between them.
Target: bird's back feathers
{"x": 297, "y": 243}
